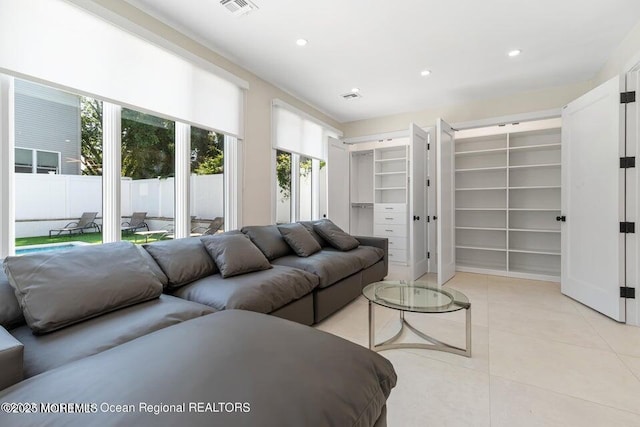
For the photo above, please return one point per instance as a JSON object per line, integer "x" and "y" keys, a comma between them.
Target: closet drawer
{"x": 397, "y": 243}
{"x": 396, "y": 255}
{"x": 389, "y": 218}
{"x": 390, "y": 207}
{"x": 390, "y": 230}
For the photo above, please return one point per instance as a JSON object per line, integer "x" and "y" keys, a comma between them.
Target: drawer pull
{"x": 389, "y": 219}
{"x": 390, "y": 231}
{"x": 389, "y": 209}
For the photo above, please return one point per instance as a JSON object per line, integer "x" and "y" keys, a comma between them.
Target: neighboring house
{"x": 48, "y": 135}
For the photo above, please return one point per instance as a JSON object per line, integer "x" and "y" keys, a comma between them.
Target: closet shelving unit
{"x": 361, "y": 217}
{"x": 507, "y": 200}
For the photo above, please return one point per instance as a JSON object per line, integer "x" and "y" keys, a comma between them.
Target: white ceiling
{"x": 381, "y": 46}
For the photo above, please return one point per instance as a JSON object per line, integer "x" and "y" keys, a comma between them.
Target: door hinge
{"x": 428, "y": 147}
{"x": 627, "y": 162}
{"x": 627, "y": 227}
{"x": 627, "y": 292}
{"x": 627, "y": 97}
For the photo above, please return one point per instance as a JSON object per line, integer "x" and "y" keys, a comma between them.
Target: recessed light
{"x": 355, "y": 90}
{"x": 425, "y": 73}
{"x": 514, "y": 53}
{"x": 302, "y": 42}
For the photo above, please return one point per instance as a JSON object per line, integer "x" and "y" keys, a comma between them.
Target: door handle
{"x": 561, "y": 218}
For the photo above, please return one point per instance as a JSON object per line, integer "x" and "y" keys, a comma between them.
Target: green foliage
{"x": 148, "y": 145}
{"x": 283, "y": 171}
{"x": 91, "y": 148}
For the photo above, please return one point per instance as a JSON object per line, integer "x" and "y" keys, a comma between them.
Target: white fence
{"x": 44, "y": 202}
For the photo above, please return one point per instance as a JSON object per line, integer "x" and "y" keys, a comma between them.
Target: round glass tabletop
{"x": 420, "y": 297}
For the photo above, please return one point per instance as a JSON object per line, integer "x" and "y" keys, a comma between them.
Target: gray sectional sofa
{"x": 122, "y": 325}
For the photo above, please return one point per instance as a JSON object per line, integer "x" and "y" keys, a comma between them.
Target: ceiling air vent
{"x": 238, "y": 7}
{"x": 351, "y": 95}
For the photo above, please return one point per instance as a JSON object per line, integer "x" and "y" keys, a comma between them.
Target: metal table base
{"x": 434, "y": 343}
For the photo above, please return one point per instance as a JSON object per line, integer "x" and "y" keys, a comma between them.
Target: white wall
{"x": 625, "y": 56}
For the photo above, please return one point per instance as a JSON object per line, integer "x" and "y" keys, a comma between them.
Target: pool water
{"x": 43, "y": 248}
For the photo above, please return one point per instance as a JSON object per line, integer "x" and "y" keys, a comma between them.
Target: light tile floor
{"x": 539, "y": 359}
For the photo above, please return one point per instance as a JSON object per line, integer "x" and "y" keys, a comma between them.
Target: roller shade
{"x": 296, "y": 132}
{"x": 58, "y": 43}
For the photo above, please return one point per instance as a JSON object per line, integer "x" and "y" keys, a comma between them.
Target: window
{"x": 283, "y": 196}
{"x": 299, "y": 144}
{"x": 207, "y": 181}
{"x": 58, "y": 165}
{"x": 148, "y": 170}
{"x": 28, "y": 160}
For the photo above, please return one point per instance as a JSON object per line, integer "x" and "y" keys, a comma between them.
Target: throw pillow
{"x": 235, "y": 254}
{"x": 58, "y": 289}
{"x": 182, "y": 260}
{"x": 335, "y": 235}
{"x": 268, "y": 239}
{"x": 10, "y": 312}
{"x": 299, "y": 239}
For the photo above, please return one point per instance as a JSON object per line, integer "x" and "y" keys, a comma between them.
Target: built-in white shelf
{"x": 518, "y": 170}
{"x": 540, "y": 166}
{"x": 481, "y": 189}
{"x": 482, "y": 248}
{"x": 497, "y": 168}
{"x": 536, "y": 147}
{"x": 390, "y": 188}
{"x": 491, "y": 150}
{"x": 391, "y": 173}
{"x": 482, "y": 228}
{"x": 535, "y": 187}
{"x": 531, "y": 251}
{"x": 534, "y": 230}
{"x": 396, "y": 159}
{"x": 481, "y": 209}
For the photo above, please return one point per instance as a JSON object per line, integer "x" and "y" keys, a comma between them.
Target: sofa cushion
{"x": 299, "y": 239}
{"x": 329, "y": 266}
{"x": 182, "y": 260}
{"x": 368, "y": 255}
{"x": 235, "y": 254}
{"x": 309, "y": 226}
{"x": 268, "y": 239}
{"x": 57, "y": 289}
{"x": 261, "y": 291}
{"x": 291, "y": 375}
{"x": 335, "y": 235}
{"x": 153, "y": 265}
{"x": 45, "y": 352}
{"x": 10, "y": 311}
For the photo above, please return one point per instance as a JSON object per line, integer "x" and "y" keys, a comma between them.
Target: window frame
{"x": 34, "y": 159}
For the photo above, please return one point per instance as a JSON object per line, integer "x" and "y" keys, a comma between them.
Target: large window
{"x": 207, "y": 181}
{"x": 58, "y": 165}
{"x": 299, "y": 187}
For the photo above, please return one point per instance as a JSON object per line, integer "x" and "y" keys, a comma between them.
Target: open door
{"x": 445, "y": 195}
{"x": 418, "y": 184}
{"x": 593, "y": 195}
{"x": 338, "y": 184}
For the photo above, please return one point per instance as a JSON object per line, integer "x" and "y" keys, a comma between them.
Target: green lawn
{"x": 86, "y": 237}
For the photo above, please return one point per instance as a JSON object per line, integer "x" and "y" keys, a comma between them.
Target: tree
{"x": 148, "y": 144}
{"x": 91, "y": 125}
{"x": 283, "y": 171}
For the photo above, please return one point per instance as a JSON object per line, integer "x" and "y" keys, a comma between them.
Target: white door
{"x": 593, "y": 199}
{"x": 445, "y": 195}
{"x": 633, "y": 201}
{"x": 418, "y": 185}
{"x": 338, "y": 184}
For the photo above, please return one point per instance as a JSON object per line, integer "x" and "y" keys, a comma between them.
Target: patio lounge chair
{"x": 213, "y": 228}
{"x": 86, "y": 221}
{"x": 136, "y": 223}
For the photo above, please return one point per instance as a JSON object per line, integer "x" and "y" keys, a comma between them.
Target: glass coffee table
{"x": 416, "y": 297}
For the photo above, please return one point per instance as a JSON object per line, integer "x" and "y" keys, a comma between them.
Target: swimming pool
{"x": 24, "y": 250}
